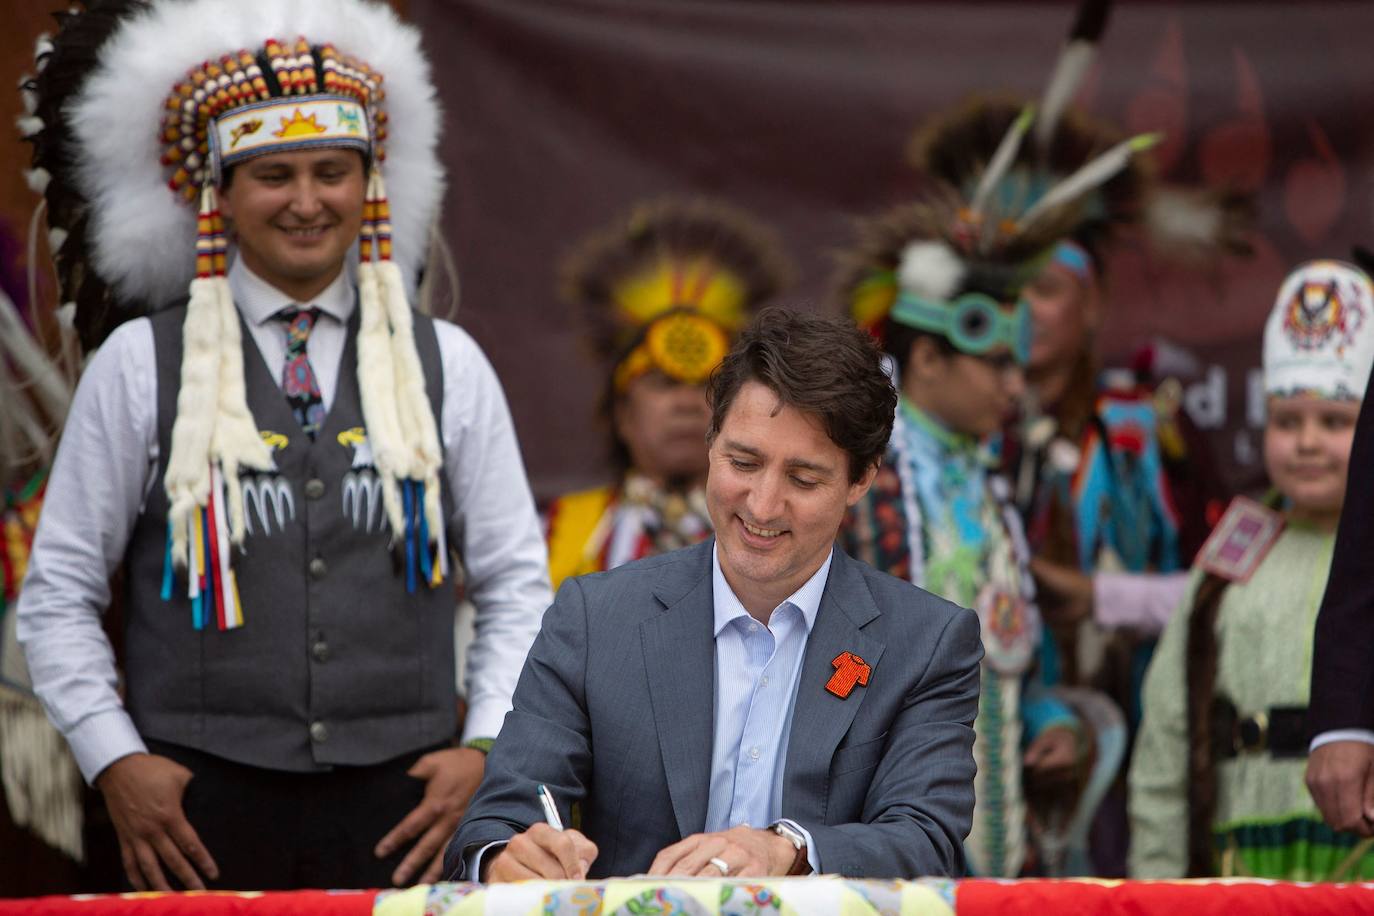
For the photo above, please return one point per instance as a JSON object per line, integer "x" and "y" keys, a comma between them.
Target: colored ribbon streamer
{"x": 408, "y": 494}
{"x": 208, "y": 592}
{"x": 422, "y": 542}
{"x": 226, "y": 593}
{"x": 167, "y": 575}
{"x": 210, "y": 580}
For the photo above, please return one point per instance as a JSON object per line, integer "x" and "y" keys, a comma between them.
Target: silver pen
{"x": 550, "y": 809}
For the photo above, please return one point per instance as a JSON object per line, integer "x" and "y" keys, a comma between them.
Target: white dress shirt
{"x": 1363, "y": 735}
{"x": 107, "y": 463}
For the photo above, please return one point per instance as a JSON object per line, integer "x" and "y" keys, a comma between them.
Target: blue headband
{"x": 975, "y": 323}
{"x": 1075, "y": 258}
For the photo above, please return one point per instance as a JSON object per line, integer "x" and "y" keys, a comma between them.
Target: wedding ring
{"x": 721, "y": 864}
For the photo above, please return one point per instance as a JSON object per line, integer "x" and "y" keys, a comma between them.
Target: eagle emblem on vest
{"x": 267, "y": 496}
{"x": 362, "y": 487}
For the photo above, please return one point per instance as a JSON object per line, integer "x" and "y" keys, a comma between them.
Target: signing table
{"x": 748, "y": 897}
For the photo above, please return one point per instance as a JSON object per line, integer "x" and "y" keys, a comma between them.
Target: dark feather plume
{"x": 956, "y": 148}
{"x": 61, "y": 75}
{"x": 881, "y": 241}
{"x": 1090, "y": 21}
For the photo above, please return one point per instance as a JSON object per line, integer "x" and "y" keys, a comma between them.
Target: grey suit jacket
{"x": 614, "y": 711}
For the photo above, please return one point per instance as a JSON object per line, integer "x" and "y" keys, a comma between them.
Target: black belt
{"x": 1281, "y": 731}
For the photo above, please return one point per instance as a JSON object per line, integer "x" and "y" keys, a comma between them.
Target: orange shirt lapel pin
{"x": 849, "y": 670}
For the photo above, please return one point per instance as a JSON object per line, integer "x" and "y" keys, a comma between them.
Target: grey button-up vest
{"x": 335, "y": 663}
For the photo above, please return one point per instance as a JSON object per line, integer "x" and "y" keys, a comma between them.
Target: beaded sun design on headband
{"x": 668, "y": 288}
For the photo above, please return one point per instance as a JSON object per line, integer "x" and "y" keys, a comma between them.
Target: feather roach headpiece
{"x": 137, "y": 110}
{"x": 1011, "y": 182}
{"x": 669, "y": 286}
{"x": 954, "y": 262}
{"x": 978, "y": 149}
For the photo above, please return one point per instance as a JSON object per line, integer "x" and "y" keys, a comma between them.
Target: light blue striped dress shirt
{"x": 757, "y": 668}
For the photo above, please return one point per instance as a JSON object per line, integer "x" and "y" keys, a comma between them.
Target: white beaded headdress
{"x": 1319, "y": 339}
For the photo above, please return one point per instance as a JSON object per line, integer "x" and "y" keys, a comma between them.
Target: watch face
{"x": 787, "y": 833}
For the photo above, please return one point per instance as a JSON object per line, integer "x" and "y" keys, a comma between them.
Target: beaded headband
{"x": 225, "y": 111}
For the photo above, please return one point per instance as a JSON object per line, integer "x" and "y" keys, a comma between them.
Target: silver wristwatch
{"x": 794, "y": 836}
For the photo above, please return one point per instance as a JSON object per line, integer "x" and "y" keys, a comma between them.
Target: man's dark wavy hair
{"x": 821, "y": 366}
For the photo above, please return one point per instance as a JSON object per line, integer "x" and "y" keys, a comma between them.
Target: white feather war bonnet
{"x": 139, "y": 107}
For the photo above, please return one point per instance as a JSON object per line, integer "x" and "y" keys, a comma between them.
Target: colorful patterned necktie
{"x": 297, "y": 378}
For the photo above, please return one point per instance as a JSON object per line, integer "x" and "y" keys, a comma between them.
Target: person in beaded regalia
{"x": 937, "y": 514}
{"x": 664, "y": 291}
{"x": 284, "y": 459}
{"x": 940, "y": 282}
{"x": 1113, "y": 484}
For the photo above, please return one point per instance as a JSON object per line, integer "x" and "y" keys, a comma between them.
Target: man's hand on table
{"x": 143, "y": 793}
{"x": 746, "y": 850}
{"x": 542, "y": 852}
{"x": 451, "y": 777}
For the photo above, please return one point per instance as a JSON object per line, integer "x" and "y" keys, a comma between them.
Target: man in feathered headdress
{"x": 665, "y": 291}
{"x": 280, "y": 462}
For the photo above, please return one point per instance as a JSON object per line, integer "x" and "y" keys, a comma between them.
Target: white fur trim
{"x": 187, "y": 480}
{"x": 412, "y": 403}
{"x": 29, "y": 126}
{"x": 931, "y": 270}
{"x": 117, "y": 114}
{"x": 377, "y": 387}
{"x": 235, "y": 442}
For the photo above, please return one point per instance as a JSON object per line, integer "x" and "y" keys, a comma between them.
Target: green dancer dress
{"x": 1266, "y": 824}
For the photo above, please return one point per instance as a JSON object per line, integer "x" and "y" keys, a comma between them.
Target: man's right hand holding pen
{"x": 543, "y": 851}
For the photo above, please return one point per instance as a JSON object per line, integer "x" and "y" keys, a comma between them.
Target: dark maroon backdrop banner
{"x": 562, "y": 113}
